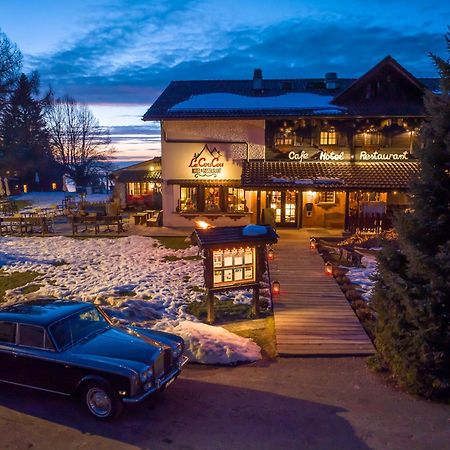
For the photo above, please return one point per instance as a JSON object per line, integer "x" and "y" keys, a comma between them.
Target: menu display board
{"x": 233, "y": 266}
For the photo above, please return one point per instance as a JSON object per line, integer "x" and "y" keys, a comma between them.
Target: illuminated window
{"x": 236, "y": 200}
{"x": 212, "y": 199}
{"x": 138, "y": 189}
{"x": 375, "y": 138}
{"x": 188, "y": 199}
{"x": 328, "y": 137}
{"x": 327, "y": 197}
{"x": 284, "y": 139}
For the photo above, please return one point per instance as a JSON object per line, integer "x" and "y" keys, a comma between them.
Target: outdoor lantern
{"x": 312, "y": 244}
{"x": 25, "y": 188}
{"x": 328, "y": 268}
{"x": 275, "y": 287}
{"x": 270, "y": 254}
{"x": 202, "y": 224}
{"x": 54, "y": 186}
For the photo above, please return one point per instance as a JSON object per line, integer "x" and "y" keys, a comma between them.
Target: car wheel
{"x": 101, "y": 401}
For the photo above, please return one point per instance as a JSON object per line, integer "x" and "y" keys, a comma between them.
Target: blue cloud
{"x": 139, "y": 47}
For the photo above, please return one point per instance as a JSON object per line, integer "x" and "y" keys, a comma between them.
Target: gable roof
{"x": 277, "y": 98}
{"x": 344, "y": 95}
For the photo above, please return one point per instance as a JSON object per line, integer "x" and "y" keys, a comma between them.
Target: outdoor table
{"x": 140, "y": 218}
{"x": 112, "y": 221}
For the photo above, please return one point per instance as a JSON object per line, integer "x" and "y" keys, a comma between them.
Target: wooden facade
{"x": 307, "y": 153}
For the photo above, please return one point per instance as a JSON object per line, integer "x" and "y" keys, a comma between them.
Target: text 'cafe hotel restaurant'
{"x": 309, "y": 153}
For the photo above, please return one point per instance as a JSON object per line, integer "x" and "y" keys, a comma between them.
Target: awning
{"x": 137, "y": 176}
{"x": 375, "y": 176}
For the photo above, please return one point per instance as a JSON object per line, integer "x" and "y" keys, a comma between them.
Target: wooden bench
{"x": 21, "y": 225}
{"x": 95, "y": 222}
{"x": 155, "y": 220}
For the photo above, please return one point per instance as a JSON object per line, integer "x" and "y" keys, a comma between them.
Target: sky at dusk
{"x": 119, "y": 55}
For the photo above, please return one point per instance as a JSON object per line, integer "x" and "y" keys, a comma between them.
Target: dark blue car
{"x": 73, "y": 348}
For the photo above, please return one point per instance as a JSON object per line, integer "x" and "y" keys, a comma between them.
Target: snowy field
{"x": 363, "y": 275}
{"x": 48, "y": 199}
{"x": 136, "y": 280}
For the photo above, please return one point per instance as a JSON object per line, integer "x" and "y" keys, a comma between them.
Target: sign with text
{"x": 315, "y": 154}
{"x": 234, "y": 266}
{"x": 207, "y": 164}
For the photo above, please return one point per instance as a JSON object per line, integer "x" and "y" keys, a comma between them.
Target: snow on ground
{"x": 213, "y": 345}
{"x": 135, "y": 279}
{"x": 363, "y": 275}
{"x": 48, "y": 199}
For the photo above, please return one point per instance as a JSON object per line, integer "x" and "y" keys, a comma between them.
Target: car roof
{"x": 41, "y": 312}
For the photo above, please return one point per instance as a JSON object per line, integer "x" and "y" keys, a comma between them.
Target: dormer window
{"x": 328, "y": 137}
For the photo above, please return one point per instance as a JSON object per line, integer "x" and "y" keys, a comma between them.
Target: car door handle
{"x": 66, "y": 366}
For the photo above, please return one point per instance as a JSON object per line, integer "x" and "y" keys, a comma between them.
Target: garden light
{"x": 275, "y": 287}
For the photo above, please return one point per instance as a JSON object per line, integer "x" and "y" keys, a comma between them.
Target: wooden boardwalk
{"x": 312, "y": 315}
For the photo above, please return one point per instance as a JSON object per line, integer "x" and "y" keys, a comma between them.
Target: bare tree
{"x": 77, "y": 141}
{"x": 10, "y": 65}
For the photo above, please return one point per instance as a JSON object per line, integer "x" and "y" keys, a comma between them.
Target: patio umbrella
{"x": 5, "y": 180}
{"x": 2, "y": 190}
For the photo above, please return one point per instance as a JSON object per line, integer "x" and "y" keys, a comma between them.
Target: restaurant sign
{"x": 320, "y": 156}
{"x": 207, "y": 164}
{"x": 380, "y": 156}
{"x": 362, "y": 155}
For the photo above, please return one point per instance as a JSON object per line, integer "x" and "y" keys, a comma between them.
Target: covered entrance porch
{"x": 332, "y": 195}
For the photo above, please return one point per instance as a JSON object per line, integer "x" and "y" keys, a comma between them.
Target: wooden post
{"x": 258, "y": 207}
{"x": 347, "y": 211}
{"x": 255, "y": 301}
{"x": 210, "y": 313}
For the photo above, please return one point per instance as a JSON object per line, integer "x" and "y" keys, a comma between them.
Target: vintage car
{"x": 73, "y": 348}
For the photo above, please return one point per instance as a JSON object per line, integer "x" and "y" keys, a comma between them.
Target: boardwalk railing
{"x": 373, "y": 223}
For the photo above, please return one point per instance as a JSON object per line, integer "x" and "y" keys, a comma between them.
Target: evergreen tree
{"x": 24, "y": 133}
{"x": 412, "y": 294}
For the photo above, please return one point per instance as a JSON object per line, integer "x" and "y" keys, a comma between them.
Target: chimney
{"x": 331, "y": 80}
{"x": 257, "y": 80}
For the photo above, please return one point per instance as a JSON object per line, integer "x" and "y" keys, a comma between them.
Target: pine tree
{"x": 24, "y": 133}
{"x": 412, "y": 294}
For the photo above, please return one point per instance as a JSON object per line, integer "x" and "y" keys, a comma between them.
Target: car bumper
{"x": 160, "y": 383}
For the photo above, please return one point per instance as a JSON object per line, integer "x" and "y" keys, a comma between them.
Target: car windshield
{"x": 73, "y": 329}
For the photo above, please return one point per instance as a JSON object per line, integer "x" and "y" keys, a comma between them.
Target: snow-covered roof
{"x": 228, "y": 101}
{"x": 282, "y": 98}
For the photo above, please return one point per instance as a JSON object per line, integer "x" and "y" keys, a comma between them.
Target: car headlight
{"x": 145, "y": 374}
{"x": 177, "y": 350}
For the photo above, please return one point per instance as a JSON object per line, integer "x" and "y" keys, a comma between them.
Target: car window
{"x": 31, "y": 336}
{"x": 76, "y": 327}
{"x": 7, "y": 332}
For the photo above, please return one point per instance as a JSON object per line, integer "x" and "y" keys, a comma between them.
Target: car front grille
{"x": 158, "y": 367}
{"x": 168, "y": 358}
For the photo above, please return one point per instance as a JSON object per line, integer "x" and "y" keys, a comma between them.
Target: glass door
{"x": 284, "y": 205}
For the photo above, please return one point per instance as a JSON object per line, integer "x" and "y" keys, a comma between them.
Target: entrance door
{"x": 284, "y": 203}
